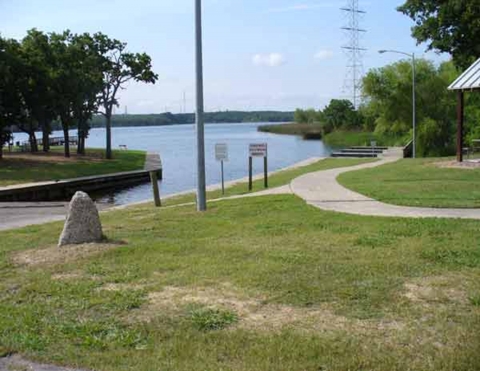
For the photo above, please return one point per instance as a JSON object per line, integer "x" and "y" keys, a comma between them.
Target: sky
{"x": 258, "y": 54}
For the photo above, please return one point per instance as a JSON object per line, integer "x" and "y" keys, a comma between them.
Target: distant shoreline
{"x": 168, "y": 119}
{"x": 73, "y": 130}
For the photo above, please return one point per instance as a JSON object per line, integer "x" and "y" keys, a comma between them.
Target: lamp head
{"x": 382, "y": 51}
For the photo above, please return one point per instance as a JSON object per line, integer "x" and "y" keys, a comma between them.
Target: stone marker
{"x": 83, "y": 223}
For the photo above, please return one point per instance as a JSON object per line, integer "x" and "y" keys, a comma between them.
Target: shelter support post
{"x": 460, "y": 109}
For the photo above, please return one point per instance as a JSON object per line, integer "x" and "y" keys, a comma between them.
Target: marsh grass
{"x": 311, "y": 131}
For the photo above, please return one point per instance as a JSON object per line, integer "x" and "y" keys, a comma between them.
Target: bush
{"x": 435, "y": 139}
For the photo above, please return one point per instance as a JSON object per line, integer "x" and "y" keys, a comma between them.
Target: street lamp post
{"x": 414, "y": 118}
{"x": 199, "y": 120}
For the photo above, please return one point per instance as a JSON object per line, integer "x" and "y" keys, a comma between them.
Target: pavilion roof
{"x": 469, "y": 80}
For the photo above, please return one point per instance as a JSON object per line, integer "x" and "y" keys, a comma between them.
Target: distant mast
{"x": 184, "y": 102}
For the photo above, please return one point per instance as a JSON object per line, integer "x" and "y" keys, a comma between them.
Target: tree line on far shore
{"x": 66, "y": 78}
{"x": 168, "y": 118}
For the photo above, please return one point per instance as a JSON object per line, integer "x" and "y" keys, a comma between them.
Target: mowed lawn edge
{"x": 258, "y": 283}
{"x": 424, "y": 182}
{"x": 277, "y": 179}
{"x": 17, "y": 169}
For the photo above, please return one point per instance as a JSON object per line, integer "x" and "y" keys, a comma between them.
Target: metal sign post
{"x": 265, "y": 171}
{"x": 257, "y": 150}
{"x": 221, "y": 154}
{"x": 250, "y": 171}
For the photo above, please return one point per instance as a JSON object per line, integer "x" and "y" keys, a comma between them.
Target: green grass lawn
{"x": 275, "y": 180}
{"x": 343, "y": 139}
{"x": 419, "y": 182}
{"x": 26, "y": 168}
{"x": 264, "y": 283}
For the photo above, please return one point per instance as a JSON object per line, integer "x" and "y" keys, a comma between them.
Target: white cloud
{"x": 323, "y": 54}
{"x": 269, "y": 60}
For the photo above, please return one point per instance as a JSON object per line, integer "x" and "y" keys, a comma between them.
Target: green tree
{"x": 12, "y": 108}
{"x": 300, "y": 116}
{"x": 38, "y": 92}
{"x": 118, "y": 67}
{"x": 68, "y": 80}
{"x": 22, "y": 83}
{"x": 89, "y": 87}
{"x": 308, "y": 116}
{"x": 389, "y": 93}
{"x": 340, "y": 114}
{"x": 449, "y": 26}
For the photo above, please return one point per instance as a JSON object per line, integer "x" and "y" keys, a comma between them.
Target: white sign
{"x": 373, "y": 143}
{"x": 221, "y": 152}
{"x": 258, "y": 150}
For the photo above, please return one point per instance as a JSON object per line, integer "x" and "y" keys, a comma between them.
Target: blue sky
{"x": 258, "y": 54}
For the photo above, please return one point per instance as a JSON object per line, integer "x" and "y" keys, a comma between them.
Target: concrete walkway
{"x": 21, "y": 214}
{"x": 152, "y": 161}
{"x": 321, "y": 189}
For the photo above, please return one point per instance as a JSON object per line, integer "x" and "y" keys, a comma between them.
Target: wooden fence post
{"x": 156, "y": 192}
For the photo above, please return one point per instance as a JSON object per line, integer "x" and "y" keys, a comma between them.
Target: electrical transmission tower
{"x": 354, "y": 50}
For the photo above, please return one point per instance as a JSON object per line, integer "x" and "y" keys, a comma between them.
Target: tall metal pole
{"x": 201, "y": 186}
{"x": 414, "y": 108}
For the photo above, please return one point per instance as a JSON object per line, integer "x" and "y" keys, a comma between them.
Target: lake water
{"x": 176, "y": 146}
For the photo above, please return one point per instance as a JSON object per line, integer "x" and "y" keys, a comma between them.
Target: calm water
{"x": 176, "y": 146}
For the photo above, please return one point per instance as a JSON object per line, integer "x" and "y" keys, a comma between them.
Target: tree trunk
{"x": 79, "y": 134}
{"x": 33, "y": 142}
{"x": 79, "y": 146}
{"x": 46, "y": 137}
{"x": 66, "y": 137}
{"x": 108, "y": 128}
{"x": 81, "y": 142}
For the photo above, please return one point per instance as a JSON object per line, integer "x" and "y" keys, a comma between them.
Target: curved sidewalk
{"x": 321, "y": 189}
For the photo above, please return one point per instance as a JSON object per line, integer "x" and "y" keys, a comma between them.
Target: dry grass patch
{"x": 55, "y": 255}
{"x": 437, "y": 289}
{"x": 122, "y": 287}
{"x": 256, "y": 313}
{"x": 467, "y": 165}
{"x": 68, "y": 276}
